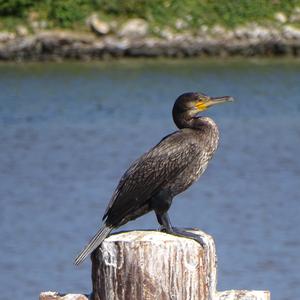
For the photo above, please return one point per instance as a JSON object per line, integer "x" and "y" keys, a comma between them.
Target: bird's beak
{"x": 205, "y": 103}
{"x": 218, "y": 100}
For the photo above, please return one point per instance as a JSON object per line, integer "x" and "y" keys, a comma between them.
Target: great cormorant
{"x": 166, "y": 170}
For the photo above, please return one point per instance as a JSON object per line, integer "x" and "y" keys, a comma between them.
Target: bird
{"x": 166, "y": 170}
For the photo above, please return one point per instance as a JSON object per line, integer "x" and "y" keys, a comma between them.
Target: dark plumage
{"x": 164, "y": 171}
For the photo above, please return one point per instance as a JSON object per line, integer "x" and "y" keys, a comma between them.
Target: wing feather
{"x": 147, "y": 175}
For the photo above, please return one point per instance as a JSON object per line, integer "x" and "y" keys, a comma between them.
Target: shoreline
{"x": 57, "y": 45}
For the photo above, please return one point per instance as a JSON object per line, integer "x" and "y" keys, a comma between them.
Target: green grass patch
{"x": 159, "y": 13}
{"x": 195, "y": 13}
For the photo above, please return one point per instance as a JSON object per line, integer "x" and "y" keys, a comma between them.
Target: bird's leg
{"x": 164, "y": 221}
{"x": 167, "y": 227}
{"x": 161, "y": 204}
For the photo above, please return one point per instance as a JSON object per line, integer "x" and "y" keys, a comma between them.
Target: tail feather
{"x": 93, "y": 244}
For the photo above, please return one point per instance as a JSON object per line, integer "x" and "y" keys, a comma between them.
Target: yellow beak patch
{"x": 201, "y": 105}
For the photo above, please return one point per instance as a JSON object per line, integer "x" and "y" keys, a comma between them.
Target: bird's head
{"x": 189, "y": 105}
{"x": 197, "y": 102}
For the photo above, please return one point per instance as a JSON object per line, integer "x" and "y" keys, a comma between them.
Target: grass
{"x": 159, "y": 13}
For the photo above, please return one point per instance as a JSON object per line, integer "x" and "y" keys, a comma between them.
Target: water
{"x": 68, "y": 132}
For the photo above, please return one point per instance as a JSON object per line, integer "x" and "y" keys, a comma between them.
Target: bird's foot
{"x": 161, "y": 228}
{"x": 184, "y": 233}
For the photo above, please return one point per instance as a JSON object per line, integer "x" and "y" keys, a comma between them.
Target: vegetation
{"x": 67, "y": 12}
{"x": 192, "y": 13}
{"x": 199, "y": 12}
{"x": 14, "y": 7}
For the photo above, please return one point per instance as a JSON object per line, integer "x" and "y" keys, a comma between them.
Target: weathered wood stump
{"x": 57, "y": 296}
{"x": 151, "y": 265}
{"x": 243, "y": 295}
{"x": 154, "y": 265}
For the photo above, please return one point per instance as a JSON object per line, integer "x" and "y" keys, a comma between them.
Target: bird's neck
{"x": 188, "y": 121}
{"x": 206, "y": 127}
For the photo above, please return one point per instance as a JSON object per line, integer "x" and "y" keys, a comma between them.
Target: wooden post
{"x": 57, "y": 296}
{"x": 154, "y": 265}
{"x": 151, "y": 265}
{"x": 243, "y": 295}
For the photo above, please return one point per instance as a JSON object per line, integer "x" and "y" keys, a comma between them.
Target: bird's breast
{"x": 207, "y": 143}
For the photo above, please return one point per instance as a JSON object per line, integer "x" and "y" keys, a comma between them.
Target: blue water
{"x": 68, "y": 131}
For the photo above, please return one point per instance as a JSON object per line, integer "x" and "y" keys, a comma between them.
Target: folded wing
{"x": 148, "y": 175}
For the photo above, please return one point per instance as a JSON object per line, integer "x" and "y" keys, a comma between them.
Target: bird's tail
{"x": 93, "y": 244}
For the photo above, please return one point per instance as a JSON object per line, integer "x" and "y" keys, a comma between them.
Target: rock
{"x": 280, "y": 17}
{"x": 39, "y": 25}
{"x": 65, "y": 37}
{"x": 180, "y": 24}
{"x": 203, "y": 31}
{"x": 98, "y": 26}
{"x": 57, "y": 296}
{"x": 167, "y": 34}
{"x": 241, "y": 32}
{"x": 295, "y": 16}
{"x": 6, "y": 36}
{"x": 290, "y": 32}
{"x": 21, "y": 30}
{"x": 218, "y": 30}
{"x": 260, "y": 32}
{"x": 116, "y": 45}
{"x": 204, "y": 28}
{"x": 248, "y": 40}
{"x": 252, "y": 32}
{"x": 113, "y": 25}
{"x": 134, "y": 28}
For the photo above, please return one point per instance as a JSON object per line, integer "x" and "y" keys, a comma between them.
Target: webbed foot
{"x": 184, "y": 233}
